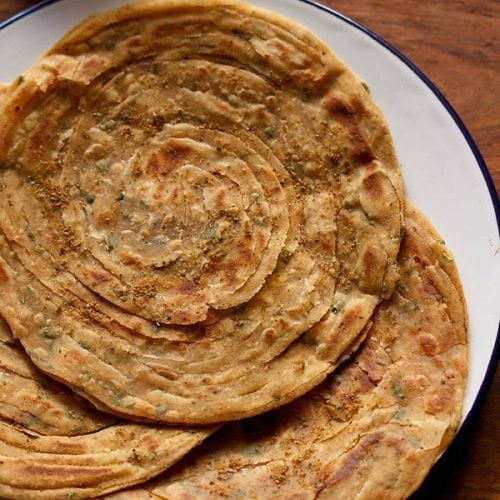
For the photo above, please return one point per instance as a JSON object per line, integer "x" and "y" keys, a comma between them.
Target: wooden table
{"x": 457, "y": 44}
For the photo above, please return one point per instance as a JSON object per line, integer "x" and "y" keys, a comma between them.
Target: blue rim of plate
{"x": 467, "y": 136}
{"x": 495, "y": 355}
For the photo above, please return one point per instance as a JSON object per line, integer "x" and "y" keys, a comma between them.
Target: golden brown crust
{"x": 194, "y": 190}
{"x": 35, "y": 402}
{"x": 54, "y": 445}
{"x": 376, "y": 426}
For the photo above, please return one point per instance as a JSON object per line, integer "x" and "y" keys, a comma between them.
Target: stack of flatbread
{"x": 204, "y": 234}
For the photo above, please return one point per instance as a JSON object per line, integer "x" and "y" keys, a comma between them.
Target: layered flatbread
{"x": 201, "y": 207}
{"x": 374, "y": 428}
{"x": 55, "y": 445}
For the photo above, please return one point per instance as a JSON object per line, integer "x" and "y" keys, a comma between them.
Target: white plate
{"x": 444, "y": 173}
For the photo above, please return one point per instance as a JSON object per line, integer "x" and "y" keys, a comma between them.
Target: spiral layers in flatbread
{"x": 201, "y": 207}
{"x": 54, "y": 445}
{"x": 375, "y": 427}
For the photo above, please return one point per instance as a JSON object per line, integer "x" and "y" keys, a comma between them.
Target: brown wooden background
{"x": 457, "y": 44}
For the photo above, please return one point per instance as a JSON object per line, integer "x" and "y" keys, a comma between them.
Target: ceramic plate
{"x": 444, "y": 173}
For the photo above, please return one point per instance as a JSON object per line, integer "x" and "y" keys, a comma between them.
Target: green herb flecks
{"x": 397, "y": 389}
{"x": 160, "y": 410}
{"x": 110, "y": 243}
{"x": 124, "y": 115}
{"x": 49, "y": 332}
{"x": 102, "y": 165}
{"x": 269, "y": 131}
{"x": 285, "y": 256}
{"x": 117, "y": 399}
{"x": 84, "y": 345}
{"x": 110, "y": 43}
{"x": 338, "y": 306}
{"x": 108, "y": 126}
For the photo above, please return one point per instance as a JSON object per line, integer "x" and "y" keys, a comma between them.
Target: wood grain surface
{"x": 456, "y": 43}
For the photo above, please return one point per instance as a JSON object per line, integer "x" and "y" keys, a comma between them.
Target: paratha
{"x": 53, "y": 444}
{"x": 374, "y": 428}
{"x": 201, "y": 208}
